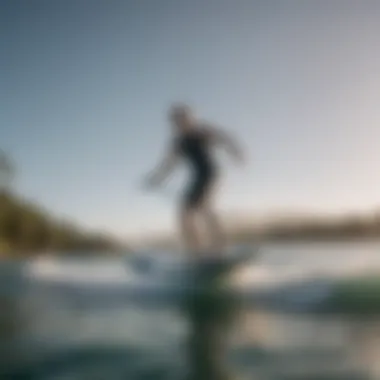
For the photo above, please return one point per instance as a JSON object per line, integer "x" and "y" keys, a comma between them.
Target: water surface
{"x": 96, "y": 332}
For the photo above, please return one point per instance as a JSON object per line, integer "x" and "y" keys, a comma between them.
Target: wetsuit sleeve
{"x": 209, "y": 132}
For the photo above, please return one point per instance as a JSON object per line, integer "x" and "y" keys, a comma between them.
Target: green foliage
{"x": 7, "y": 170}
{"x": 25, "y": 229}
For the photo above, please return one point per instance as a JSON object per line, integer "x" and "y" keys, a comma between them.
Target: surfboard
{"x": 214, "y": 270}
{"x": 227, "y": 260}
{"x": 185, "y": 273}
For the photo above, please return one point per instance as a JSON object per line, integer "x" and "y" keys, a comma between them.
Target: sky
{"x": 85, "y": 87}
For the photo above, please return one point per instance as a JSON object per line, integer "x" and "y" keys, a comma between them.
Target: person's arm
{"x": 227, "y": 141}
{"x": 164, "y": 169}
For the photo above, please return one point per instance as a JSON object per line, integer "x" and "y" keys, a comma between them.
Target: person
{"x": 193, "y": 141}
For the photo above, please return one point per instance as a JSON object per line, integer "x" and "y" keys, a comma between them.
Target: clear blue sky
{"x": 85, "y": 85}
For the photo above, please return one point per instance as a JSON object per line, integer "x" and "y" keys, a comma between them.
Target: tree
{"x": 26, "y": 228}
{"x": 7, "y": 171}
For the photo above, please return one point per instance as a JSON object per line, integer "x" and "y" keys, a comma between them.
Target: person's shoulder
{"x": 206, "y": 128}
{"x": 205, "y": 125}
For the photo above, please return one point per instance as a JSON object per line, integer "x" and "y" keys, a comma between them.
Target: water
{"x": 100, "y": 319}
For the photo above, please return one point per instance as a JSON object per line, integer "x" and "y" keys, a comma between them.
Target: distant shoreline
{"x": 327, "y": 240}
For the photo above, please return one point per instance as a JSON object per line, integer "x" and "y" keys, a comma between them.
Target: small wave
{"x": 91, "y": 271}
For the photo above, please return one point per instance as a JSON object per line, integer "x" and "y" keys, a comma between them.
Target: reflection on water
{"x": 46, "y": 336}
{"x": 313, "y": 345}
{"x": 267, "y": 344}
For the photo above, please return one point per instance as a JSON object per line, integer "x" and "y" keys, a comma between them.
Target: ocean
{"x": 103, "y": 318}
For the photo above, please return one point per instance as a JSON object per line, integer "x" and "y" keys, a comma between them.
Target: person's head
{"x": 181, "y": 116}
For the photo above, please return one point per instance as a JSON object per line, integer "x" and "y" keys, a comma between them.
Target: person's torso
{"x": 196, "y": 148}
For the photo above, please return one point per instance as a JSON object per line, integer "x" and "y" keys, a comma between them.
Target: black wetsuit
{"x": 195, "y": 148}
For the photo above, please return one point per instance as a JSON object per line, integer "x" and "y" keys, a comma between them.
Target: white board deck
{"x": 182, "y": 267}
{"x": 227, "y": 259}
{"x": 216, "y": 265}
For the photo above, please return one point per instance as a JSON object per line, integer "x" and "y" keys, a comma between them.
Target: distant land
{"x": 28, "y": 229}
{"x": 314, "y": 228}
{"x": 295, "y": 227}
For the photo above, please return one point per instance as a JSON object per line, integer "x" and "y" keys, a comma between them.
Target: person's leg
{"x": 211, "y": 220}
{"x": 214, "y": 229}
{"x": 188, "y": 217}
{"x": 189, "y": 229}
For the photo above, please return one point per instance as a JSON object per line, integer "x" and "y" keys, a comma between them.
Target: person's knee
{"x": 187, "y": 214}
{"x": 205, "y": 210}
